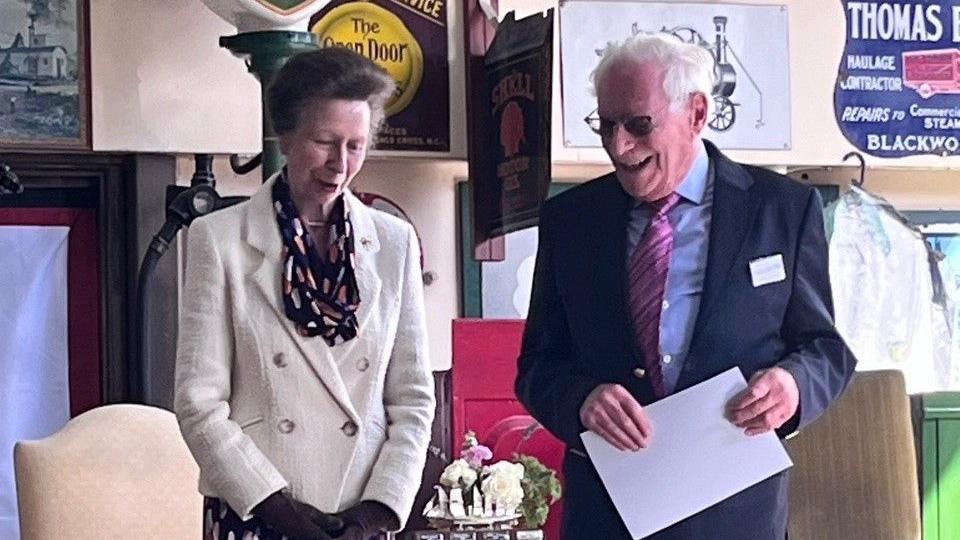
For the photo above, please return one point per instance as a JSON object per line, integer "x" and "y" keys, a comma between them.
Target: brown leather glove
{"x": 295, "y": 519}
{"x": 366, "y": 520}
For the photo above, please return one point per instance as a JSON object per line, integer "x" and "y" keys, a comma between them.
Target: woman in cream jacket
{"x": 303, "y": 386}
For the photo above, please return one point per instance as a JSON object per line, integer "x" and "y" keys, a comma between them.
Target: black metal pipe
{"x": 183, "y": 206}
{"x": 141, "y": 387}
{"x": 244, "y": 168}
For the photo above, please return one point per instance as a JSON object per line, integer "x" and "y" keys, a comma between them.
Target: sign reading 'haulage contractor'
{"x": 898, "y": 88}
{"x": 408, "y": 38}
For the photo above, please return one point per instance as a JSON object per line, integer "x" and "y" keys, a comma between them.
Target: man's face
{"x": 651, "y": 166}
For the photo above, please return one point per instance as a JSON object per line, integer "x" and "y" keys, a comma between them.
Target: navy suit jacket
{"x": 578, "y": 332}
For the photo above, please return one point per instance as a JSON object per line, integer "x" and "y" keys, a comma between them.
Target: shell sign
{"x": 516, "y": 172}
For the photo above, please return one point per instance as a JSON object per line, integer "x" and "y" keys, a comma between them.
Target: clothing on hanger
{"x": 891, "y": 304}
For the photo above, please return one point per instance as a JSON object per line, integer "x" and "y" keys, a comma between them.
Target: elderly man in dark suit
{"x": 676, "y": 267}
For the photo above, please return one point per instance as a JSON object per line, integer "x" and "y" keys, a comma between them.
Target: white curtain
{"x": 34, "y": 379}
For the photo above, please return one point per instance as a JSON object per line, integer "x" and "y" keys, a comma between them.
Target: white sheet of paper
{"x": 696, "y": 458}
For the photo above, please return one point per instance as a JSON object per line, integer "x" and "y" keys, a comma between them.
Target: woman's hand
{"x": 366, "y": 520}
{"x": 297, "y": 520}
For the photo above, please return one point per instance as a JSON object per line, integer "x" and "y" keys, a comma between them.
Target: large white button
{"x": 286, "y": 426}
{"x": 279, "y": 360}
{"x": 667, "y": 359}
{"x": 665, "y": 305}
{"x": 349, "y": 429}
{"x": 363, "y": 364}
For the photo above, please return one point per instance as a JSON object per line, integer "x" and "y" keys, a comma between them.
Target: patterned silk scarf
{"x": 320, "y": 292}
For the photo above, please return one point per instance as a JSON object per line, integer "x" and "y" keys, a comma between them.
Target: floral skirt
{"x": 220, "y": 522}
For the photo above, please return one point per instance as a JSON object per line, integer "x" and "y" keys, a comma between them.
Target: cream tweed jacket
{"x": 263, "y": 408}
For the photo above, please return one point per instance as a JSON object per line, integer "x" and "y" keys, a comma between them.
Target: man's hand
{"x": 770, "y": 399}
{"x": 611, "y": 412}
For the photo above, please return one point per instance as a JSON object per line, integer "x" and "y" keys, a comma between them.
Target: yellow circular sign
{"x": 382, "y": 37}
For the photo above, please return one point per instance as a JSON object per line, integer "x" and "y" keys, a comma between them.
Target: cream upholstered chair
{"x": 855, "y": 471}
{"x": 117, "y": 471}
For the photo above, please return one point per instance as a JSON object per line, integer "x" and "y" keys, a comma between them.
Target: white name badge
{"x": 767, "y": 270}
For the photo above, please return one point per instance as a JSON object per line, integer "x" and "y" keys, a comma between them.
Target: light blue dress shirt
{"x": 691, "y": 234}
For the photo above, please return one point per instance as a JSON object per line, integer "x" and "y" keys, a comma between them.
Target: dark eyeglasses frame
{"x": 639, "y": 126}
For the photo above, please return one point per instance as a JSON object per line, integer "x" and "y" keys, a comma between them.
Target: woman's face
{"x": 324, "y": 152}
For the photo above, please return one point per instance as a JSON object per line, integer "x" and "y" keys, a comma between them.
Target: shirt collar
{"x": 694, "y": 186}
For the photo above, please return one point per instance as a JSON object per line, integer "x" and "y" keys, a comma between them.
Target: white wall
{"x": 162, "y": 83}
{"x": 427, "y": 193}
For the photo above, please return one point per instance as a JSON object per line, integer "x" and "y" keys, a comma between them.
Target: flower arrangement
{"x": 472, "y": 492}
{"x": 541, "y": 488}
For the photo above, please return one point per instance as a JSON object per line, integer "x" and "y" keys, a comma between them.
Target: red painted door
{"x": 484, "y": 368}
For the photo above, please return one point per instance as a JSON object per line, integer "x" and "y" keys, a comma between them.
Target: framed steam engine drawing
{"x": 749, "y": 46}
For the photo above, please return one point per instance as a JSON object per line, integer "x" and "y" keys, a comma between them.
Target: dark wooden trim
{"x": 86, "y": 95}
{"x": 102, "y": 182}
{"x": 471, "y": 294}
{"x": 118, "y": 215}
{"x": 62, "y": 198}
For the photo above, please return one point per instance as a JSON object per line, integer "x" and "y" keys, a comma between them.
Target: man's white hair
{"x": 689, "y": 67}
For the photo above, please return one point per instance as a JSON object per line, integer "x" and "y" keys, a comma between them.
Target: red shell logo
{"x": 511, "y": 129}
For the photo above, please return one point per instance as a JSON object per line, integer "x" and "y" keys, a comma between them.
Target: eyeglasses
{"x": 639, "y": 126}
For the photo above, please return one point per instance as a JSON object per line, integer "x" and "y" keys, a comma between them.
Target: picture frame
{"x": 941, "y": 230}
{"x": 44, "y": 75}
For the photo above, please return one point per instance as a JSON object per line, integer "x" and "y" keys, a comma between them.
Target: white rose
{"x": 458, "y": 474}
{"x": 502, "y": 484}
{"x": 506, "y": 468}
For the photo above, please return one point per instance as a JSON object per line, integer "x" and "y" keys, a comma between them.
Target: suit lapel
{"x": 732, "y": 218}
{"x": 261, "y": 232}
{"x": 602, "y": 274}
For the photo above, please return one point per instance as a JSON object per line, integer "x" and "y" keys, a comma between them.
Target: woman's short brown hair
{"x": 328, "y": 73}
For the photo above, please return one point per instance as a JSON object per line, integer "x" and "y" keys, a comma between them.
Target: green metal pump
{"x": 267, "y": 51}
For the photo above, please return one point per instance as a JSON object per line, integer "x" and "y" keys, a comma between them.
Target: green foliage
{"x": 541, "y": 488}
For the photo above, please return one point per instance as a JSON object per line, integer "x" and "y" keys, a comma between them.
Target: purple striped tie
{"x": 646, "y": 281}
